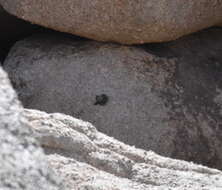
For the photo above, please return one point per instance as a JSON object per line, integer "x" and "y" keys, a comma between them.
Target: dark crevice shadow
{"x": 14, "y": 29}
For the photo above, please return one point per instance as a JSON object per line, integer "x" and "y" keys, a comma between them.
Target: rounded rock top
{"x": 125, "y": 21}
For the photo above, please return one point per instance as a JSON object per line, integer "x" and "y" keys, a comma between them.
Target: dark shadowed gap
{"x": 14, "y": 29}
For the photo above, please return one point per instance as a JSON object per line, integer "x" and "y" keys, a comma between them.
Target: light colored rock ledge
{"x": 91, "y": 160}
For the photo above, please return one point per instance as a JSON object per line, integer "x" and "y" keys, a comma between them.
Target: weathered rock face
{"x": 169, "y": 105}
{"x": 122, "y": 21}
{"x": 23, "y": 164}
{"x": 91, "y": 160}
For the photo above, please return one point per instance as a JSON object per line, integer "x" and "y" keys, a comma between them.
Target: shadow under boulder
{"x": 14, "y": 29}
{"x": 163, "y": 97}
{"x": 11, "y": 30}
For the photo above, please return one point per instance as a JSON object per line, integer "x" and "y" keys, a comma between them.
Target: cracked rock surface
{"x": 125, "y": 21}
{"x": 88, "y": 159}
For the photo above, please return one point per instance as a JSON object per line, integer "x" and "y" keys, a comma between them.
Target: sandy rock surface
{"x": 88, "y": 159}
{"x": 124, "y": 21}
{"x": 156, "y": 97}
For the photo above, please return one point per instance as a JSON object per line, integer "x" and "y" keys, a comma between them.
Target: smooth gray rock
{"x": 165, "y": 98}
{"x": 90, "y": 160}
{"x": 22, "y": 163}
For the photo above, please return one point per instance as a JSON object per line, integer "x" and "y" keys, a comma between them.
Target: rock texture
{"x": 122, "y": 21}
{"x": 23, "y": 164}
{"x": 162, "y": 100}
{"x": 91, "y": 160}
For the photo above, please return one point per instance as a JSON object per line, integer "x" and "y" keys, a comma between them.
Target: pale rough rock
{"x": 90, "y": 160}
{"x": 22, "y": 163}
{"x": 124, "y": 21}
{"x": 156, "y": 102}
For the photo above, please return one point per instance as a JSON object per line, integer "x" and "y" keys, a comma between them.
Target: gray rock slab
{"x": 163, "y": 97}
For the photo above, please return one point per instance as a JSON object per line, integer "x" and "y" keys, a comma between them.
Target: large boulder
{"x": 151, "y": 100}
{"x": 23, "y": 164}
{"x": 124, "y": 21}
{"x": 90, "y": 160}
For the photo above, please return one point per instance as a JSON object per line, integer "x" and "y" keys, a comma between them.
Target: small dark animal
{"x": 101, "y": 100}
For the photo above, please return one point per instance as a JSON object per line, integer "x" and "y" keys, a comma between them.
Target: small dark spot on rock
{"x": 101, "y": 100}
